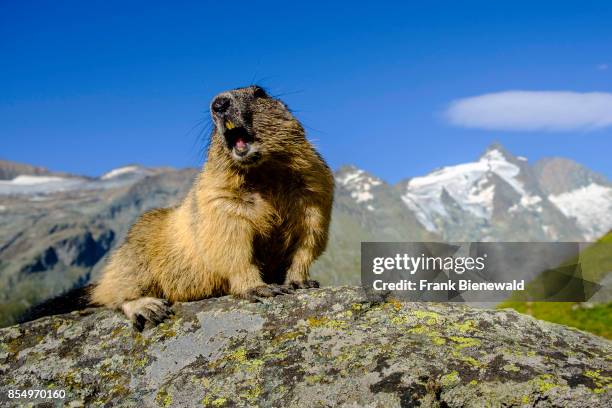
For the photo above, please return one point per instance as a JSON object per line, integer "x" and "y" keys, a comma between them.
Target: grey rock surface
{"x": 316, "y": 348}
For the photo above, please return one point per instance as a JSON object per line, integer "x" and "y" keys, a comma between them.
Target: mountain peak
{"x": 358, "y": 183}
{"x": 558, "y": 175}
{"x": 495, "y": 151}
{"x": 348, "y": 174}
{"x": 347, "y": 168}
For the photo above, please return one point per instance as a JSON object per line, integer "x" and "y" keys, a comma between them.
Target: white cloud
{"x": 603, "y": 67}
{"x": 533, "y": 110}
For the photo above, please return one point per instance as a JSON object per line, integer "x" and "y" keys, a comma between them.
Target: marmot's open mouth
{"x": 238, "y": 139}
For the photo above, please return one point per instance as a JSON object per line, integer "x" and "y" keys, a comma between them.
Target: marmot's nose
{"x": 220, "y": 105}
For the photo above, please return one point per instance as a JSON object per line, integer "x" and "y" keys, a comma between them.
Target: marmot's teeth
{"x": 229, "y": 124}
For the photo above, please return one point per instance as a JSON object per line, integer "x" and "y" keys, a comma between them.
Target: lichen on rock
{"x": 325, "y": 347}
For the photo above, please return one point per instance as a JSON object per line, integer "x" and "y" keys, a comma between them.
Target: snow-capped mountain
{"x": 495, "y": 198}
{"x": 498, "y": 197}
{"x": 590, "y": 205}
{"x": 471, "y": 186}
{"x": 579, "y": 193}
{"x": 359, "y": 184}
{"x": 56, "y": 228}
{"x": 28, "y": 180}
{"x": 375, "y": 206}
{"x": 36, "y": 184}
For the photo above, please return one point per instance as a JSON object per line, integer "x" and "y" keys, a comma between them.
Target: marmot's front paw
{"x": 264, "y": 291}
{"x": 307, "y": 284}
{"x": 147, "y": 309}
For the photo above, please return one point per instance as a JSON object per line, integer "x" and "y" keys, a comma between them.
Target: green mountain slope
{"x": 592, "y": 317}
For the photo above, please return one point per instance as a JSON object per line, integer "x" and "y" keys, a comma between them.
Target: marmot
{"x": 255, "y": 219}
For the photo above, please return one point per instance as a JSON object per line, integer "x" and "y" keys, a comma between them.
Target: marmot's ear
{"x": 259, "y": 92}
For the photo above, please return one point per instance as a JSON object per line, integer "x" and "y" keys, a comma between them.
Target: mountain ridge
{"x": 55, "y": 235}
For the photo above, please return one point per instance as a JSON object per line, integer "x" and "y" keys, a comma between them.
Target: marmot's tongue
{"x": 240, "y": 144}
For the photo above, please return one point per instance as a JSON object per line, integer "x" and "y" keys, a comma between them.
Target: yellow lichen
{"x": 432, "y": 334}
{"x": 600, "y": 380}
{"x": 119, "y": 389}
{"x": 464, "y": 342}
{"x": 219, "y": 402}
{"x": 511, "y": 367}
{"x": 419, "y": 330}
{"x": 326, "y": 322}
{"x": 253, "y": 393}
{"x": 141, "y": 362}
{"x": 396, "y": 304}
{"x": 347, "y": 314}
{"x": 544, "y": 382}
{"x": 163, "y": 398}
{"x": 450, "y": 379}
{"x": 592, "y": 374}
{"x": 314, "y": 379}
{"x": 274, "y": 356}
{"x": 238, "y": 355}
{"x": 117, "y": 331}
{"x": 468, "y": 359}
{"x": 317, "y": 321}
{"x": 399, "y": 320}
{"x": 429, "y": 317}
{"x": 465, "y": 327}
{"x": 438, "y": 341}
{"x": 287, "y": 337}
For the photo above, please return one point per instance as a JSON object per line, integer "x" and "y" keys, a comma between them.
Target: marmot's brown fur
{"x": 255, "y": 219}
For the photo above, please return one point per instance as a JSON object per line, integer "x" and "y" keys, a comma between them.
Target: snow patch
{"x": 530, "y": 201}
{"x": 424, "y": 214}
{"x": 42, "y": 185}
{"x": 38, "y": 184}
{"x": 359, "y": 183}
{"x": 493, "y": 154}
{"x": 119, "y": 171}
{"x": 32, "y": 180}
{"x": 361, "y": 196}
{"x": 590, "y": 205}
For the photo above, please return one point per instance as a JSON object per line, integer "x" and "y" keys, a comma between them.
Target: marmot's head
{"x": 253, "y": 127}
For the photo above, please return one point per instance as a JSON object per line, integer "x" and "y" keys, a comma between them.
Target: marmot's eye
{"x": 259, "y": 92}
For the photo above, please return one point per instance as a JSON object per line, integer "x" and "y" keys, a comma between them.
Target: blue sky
{"x": 88, "y": 86}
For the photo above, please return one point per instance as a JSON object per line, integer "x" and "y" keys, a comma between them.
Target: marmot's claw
{"x": 139, "y": 322}
{"x": 307, "y": 284}
{"x": 265, "y": 291}
{"x": 145, "y": 310}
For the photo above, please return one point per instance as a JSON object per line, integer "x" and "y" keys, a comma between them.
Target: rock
{"x": 320, "y": 347}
